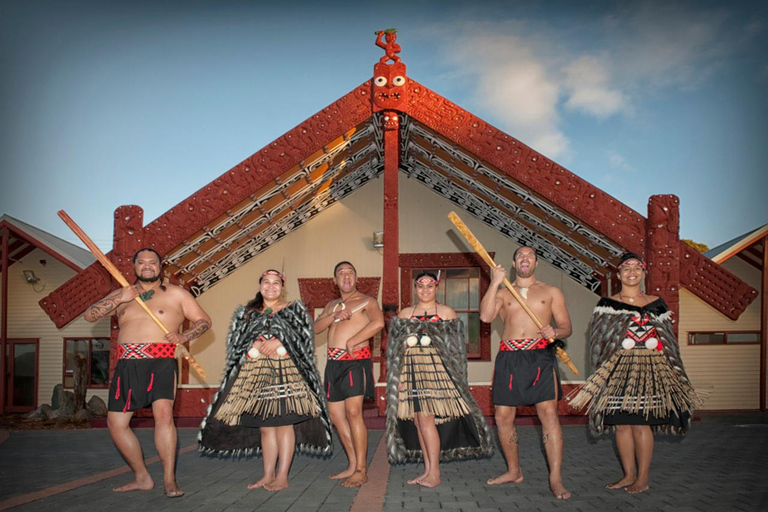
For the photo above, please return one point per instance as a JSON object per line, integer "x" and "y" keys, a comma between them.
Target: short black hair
{"x": 343, "y": 263}
{"x": 514, "y": 254}
{"x": 145, "y": 249}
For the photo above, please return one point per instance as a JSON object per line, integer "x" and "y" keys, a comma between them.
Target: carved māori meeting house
{"x": 394, "y": 156}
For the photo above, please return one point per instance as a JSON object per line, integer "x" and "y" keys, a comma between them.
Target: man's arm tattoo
{"x": 197, "y": 328}
{"x": 104, "y": 307}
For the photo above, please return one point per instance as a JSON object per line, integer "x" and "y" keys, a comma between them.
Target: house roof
{"x": 532, "y": 200}
{"x": 745, "y": 247}
{"x": 24, "y": 238}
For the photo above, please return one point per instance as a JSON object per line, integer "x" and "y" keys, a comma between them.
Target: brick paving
{"x": 722, "y": 465}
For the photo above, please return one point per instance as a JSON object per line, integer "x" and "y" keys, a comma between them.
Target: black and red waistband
{"x": 340, "y": 354}
{"x": 146, "y": 350}
{"x": 523, "y": 344}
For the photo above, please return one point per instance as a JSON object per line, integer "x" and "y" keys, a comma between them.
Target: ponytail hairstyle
{"x": 257, "y": 303}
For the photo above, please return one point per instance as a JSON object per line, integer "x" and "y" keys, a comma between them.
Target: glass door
{"x": 21, "y": 376}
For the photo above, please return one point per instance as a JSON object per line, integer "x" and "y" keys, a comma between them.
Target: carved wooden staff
{"x": 477, "y": 246}
{"x": 120, "y": 278}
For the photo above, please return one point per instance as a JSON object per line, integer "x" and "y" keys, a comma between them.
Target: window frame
{"x": 65, "y": 373}
{"x": 445, "y": 261}
{"x": 725, "y": 338}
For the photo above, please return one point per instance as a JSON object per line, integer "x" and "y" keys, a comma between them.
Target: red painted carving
{"x": 391, "y": 216}
{"x": 127, "y": 239}
{"x": 317, "y": 292}
{"x": 389, "y": 88}
{"x": 663, "y": 251}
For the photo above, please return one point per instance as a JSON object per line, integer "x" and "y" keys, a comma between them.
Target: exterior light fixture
{"x": 378, "y": 239}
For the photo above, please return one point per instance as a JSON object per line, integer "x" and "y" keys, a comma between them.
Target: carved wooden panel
{"x": 317, "y": 292}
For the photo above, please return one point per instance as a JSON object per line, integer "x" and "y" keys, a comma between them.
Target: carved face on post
{"x": 390, "y": 90}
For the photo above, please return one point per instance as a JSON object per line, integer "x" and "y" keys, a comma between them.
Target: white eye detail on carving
{"x": 380, "y": 81}
{"x": 398, "y": 80}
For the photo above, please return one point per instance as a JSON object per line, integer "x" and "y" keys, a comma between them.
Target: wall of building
{"x": 344, "y": 232}
{"x": 27, "y": 320}
{"x": 727, "y": 375}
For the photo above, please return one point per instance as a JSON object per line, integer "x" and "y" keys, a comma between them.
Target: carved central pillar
{"x": 662, "y": 251}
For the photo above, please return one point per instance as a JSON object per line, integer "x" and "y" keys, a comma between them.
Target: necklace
{"x": 524, "y": 289}
{"x": 343, "y": 302}
{"x": 145, "y": 296}
{"x": 631, "y": 299}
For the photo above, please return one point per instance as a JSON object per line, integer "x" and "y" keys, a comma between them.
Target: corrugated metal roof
{"x": 77, "y": 255}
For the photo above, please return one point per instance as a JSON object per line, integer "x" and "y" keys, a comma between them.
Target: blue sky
{"x": 104, "y": 104}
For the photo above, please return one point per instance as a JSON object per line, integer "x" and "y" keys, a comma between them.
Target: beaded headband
{"x": 272, "y": 273}
{"x": 626, "y": 262}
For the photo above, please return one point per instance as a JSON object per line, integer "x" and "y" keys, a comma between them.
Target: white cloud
{"x": 587, "y": 81}
{"x": 616, "y": 161}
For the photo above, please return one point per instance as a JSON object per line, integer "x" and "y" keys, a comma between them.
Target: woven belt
{"x": 524, "y": 344}
{"x": 340, "y": 354}
{"x": 146, "y": 350}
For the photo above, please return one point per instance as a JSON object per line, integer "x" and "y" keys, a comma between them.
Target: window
{"x": 96, "y": 352}
{"x": 723, "y": 338}
{"x": 464, "y": 278}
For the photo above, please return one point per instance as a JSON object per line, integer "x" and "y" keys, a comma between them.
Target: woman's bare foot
{"x": 141, "y": 483}
{"x": 559, "y": 491}
{"x": 621, "y": 483}
{"x": 172, "y": 490}
{"x": 343, "y": 475}
{"x": 278, "y": 484}
{"x": 357, "y": 479}
{"x": 261, "y": 483}
{"x": 415, "y": 481}
{"x": 515, "y": 477}
{"x": 637, "y": 487}
{"x": 430, "y": 481}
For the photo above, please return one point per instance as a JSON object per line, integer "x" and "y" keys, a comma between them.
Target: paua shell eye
{"x": 380, "y": 81}
{"x": 398, "y": 80}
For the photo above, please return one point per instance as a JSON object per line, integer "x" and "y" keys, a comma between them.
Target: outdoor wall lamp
{"x": 378, "y": 239}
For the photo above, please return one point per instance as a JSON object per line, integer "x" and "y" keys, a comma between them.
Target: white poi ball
{"x": 253, "y": 353}
{"x": 411, "y": 341}
{"x": 281, "y": 351}
{"x": 651, "y": 343}
{"x": 425, "y": 341}
{"x": 628, "y": 343}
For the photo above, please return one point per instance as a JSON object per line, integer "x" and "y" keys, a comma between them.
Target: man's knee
{"x": 162, "y": 411}
{"x": 354, "y": 409}
{"x": 117, "y": 421}
{"x": 547, "y": 412}
{"x": 505, "y": 416}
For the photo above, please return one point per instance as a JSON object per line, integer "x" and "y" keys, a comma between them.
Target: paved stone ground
{"x": 722, "y": 465}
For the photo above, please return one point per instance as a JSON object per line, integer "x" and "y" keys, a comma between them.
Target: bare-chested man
{"x": 353, "y": 320}
{"x": 526, "y": 372}
{"x": 146, "y": 370}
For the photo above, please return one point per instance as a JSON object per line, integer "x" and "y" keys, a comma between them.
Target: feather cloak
{"x": 447, "y": 336}
{"x": 607, "y": 329}
{"x": 293, "y": 327}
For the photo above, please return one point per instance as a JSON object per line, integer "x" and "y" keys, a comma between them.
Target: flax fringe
{"x": 267, "y": 387}
{"x": 642, "y": 380}
{"x": 433, "y": 387}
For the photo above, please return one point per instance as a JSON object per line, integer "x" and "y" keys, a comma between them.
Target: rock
{"x": 58, "y": 396}
{"x": 61, "y": 416}
{"x": 82, "y": 416}
{"x": 96, "y": 407}
{"x": 41, "y": 413}
{"x": 67, "y": 404}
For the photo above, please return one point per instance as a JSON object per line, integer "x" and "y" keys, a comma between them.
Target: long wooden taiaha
{"x": 478, "y": 247}
{"x": 122, "y": 281}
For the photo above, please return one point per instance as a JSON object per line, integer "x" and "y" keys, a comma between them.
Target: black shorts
{"x": 349, "y": 378}
{"x": 139, "y": 382}
{"x": 525, "y": 377}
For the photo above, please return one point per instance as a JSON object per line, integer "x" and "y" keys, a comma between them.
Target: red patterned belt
{"x": 524, "y": 344}
{"x": 146, "y": 350}
{"x": 340, "y": 354}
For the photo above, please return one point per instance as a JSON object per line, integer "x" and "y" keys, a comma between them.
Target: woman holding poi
{"x": 639, "y": 386}
{"x": 270, "y": 401}
{"x": 431, "y": 414}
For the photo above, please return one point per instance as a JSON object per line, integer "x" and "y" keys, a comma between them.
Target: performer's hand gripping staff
{"x": 477, "y": 246}
{"x": 124, "y": 282}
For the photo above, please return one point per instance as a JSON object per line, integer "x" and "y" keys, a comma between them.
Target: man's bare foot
{"x": 430, "y": 481}
{"x": 559, "y": 491}
{"x": 515, "y": 477}
{"x": 637, "y": 487}
{"x": 278, "y": 484}
{"x": 357, "y": 479}
{"x": 261, "y": 483}
{"x": 343, "y": 475}
{"x": 142, "y": 483}
{"x": 621, "y": 483}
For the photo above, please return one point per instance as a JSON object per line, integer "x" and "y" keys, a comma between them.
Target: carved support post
{"x": 662, "y": 251}
{"x": 390, "y": 289}
{"x": 4, "y": 264}
{"x": 126, "y": 240}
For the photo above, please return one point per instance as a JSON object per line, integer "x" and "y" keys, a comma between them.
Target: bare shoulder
{"x": 552, "y": 290}
{"x": 446, "y": 312}
{"x": 177, "y": 291}
{"x": 406, "y": 312}
{"x": 370, "y": 301}
{"x": 651, "y": 298}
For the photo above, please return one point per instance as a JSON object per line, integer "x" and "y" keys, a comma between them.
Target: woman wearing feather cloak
{"x": 270, "y": 401}
{"x": 639, "y": 385}
{"x": 431, "y": 414}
